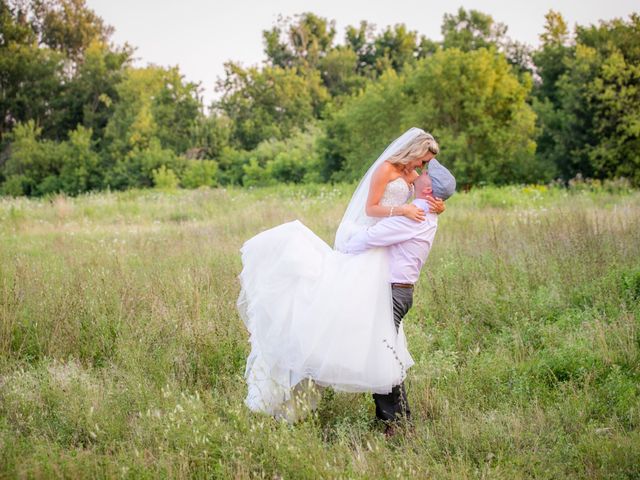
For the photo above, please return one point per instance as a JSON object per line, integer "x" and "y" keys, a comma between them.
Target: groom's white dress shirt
{"x": 408, "y": 242}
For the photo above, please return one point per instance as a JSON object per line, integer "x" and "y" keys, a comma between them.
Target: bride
{"x": 320, "y": 317}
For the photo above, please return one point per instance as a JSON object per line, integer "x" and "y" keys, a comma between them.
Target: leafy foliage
{"x": 295, "y": 160}
{"x": 164, "y": 178}
{"x": 589, "y": 98}
{"x": 269, "y": 103}
{"x": 200, "y": 173}
{"x": 471, "y": 30}
{"x": 76, "y": 115}
{"x": 485, "y": 129}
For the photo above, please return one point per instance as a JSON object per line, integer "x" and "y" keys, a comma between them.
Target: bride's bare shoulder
{"x": 383, "y": 174}
{"x": 385, "y": 170}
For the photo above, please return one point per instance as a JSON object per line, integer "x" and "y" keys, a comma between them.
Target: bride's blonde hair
{"x": 417, "y": 148}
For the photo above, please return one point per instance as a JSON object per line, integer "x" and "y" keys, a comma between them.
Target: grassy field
{"x": 122, "y": 354}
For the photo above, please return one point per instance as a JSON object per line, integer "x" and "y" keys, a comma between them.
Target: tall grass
{"x": 121, "y": 352}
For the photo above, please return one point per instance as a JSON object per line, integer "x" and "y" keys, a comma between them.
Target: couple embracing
{"x": 321, "y": 317}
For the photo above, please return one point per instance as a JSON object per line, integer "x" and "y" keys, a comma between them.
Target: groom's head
{"x": 423, "y": 186}
{"x": 437, "y": 182}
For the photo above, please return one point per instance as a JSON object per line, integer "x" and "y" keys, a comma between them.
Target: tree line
{"x": 77, "y": 116}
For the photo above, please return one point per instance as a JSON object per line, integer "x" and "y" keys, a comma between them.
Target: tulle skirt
{"x": 316, "y": 316}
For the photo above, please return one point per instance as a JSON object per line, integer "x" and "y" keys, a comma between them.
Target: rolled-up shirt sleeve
{"x": 387, "y": 231}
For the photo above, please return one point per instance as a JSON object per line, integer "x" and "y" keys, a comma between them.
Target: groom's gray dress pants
{"x": 394, "y": 405}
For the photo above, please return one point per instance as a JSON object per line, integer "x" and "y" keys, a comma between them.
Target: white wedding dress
{"x": 317, "y": 316}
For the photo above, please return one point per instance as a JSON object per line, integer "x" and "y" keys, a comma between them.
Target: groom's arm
{"x": 387, "y": 231}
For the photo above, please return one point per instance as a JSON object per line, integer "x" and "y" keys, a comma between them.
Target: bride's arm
{"x": 376, "y": 189}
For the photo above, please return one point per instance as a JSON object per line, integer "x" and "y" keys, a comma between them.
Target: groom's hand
{"x": 436, "y": 205}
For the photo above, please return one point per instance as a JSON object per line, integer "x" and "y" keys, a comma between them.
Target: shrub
{"x": 164, "y": 178}
{"x": 136, "y": 168}
{"x": 79, "y": 172}
{"x": 199, "y": 173}
{"x": 16, "y": 185}
{"x": 294, "y": 160}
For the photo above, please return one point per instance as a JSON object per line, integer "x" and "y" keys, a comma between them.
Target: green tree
{"x": 67, "y": 26}
{"x": 80, "y": 164}
{"x": 358, "y": 131}
{"x": 470, "y": 30}
{"x": 30, "y": 81}
{"x": 28, "y": 163}
{"x": 361, "y": 40}
{"x": 483, "y": 122}
{"x": 614, "y": 97}
{"x": 212, "y": 135}
{"x": 589, "y": 99}
{"x": 550, "y": 64}
{"x": 550, "y": 58}
{"x": 90, "y": 97}
{"x": 339, "y": 70}
{"x": 299, "y": 42}
{"x": 154, "y": 103}
{"x": 30, "y": 77}
{"x": 269, "y": 103}
{"x": 395, "y": 47}
{"x": 56, "y": 66}
{"x": 176, "y": 108}
{"x": 132, "y": 124}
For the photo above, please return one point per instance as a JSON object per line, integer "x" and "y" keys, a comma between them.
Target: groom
{"x": 409, "y": 244}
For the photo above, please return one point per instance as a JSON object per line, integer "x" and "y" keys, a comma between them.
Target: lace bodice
{"x": 396, "y": 192}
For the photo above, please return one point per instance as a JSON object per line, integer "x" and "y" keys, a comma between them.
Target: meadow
{"x": 122, "y": 353}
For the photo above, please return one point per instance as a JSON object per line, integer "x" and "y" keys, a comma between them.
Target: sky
{"x": 200, "y": 35}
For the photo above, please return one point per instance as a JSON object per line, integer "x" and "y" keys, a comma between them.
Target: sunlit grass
{"x": 121, "y": 352}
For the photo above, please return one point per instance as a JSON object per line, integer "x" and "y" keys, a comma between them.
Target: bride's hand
{"x": 413, "y": 213}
